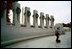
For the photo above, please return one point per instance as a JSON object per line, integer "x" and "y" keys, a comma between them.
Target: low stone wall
{"x": 13, "y": 34}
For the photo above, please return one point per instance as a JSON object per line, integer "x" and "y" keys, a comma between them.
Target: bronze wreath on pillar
{"x": 37, "y": 15}
{"x": 28, "y": 13}
{"x": 42, "y": 16}
{"x": 48, "y": 18}
{"x": 18, "y": 10}
{"x": 53, "y": 19}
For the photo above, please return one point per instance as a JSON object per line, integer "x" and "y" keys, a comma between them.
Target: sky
{"x": 61, "y": 10}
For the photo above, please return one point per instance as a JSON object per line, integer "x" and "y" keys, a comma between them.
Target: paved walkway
{"x": 45, "y": 42}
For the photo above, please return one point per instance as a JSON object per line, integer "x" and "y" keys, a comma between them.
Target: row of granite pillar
{"x": 25, "y": 13}
{"x": 35, "y": 16}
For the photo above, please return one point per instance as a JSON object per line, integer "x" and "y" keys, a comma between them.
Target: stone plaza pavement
{"x": 45, "y": 42}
